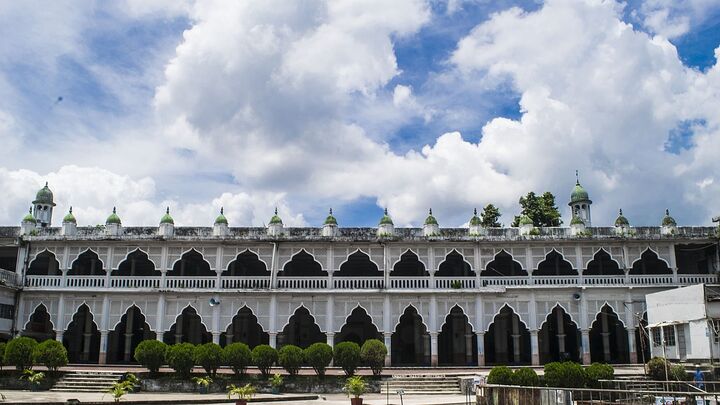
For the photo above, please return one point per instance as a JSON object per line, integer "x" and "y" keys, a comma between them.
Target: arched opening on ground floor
{"x": 82, "y": 337}
{"x": 457, "y": 343}
{"x": 608, "y": 338}
{"x": 358, "y": 328}
{"x": 559, "y": 338}
{"x": 123, "y": 340}
{"x": 244, "y": 329}
{"x": 507, "y": 341}
{"x": 301, "y": 330}
{"x": 188, "y": 328}
{"x": 410, "y": 343}
{"x": 39, "y": 326}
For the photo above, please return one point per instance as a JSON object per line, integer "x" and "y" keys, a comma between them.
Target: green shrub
{"x": 501, "y": 375}
{"x": 237, "y": 356}
{"x": 19, "y": 353}
{"x": 180, "y": 357}
{"x": 264, "y": 356}
{"x": 658, "y": 369}
{"x": 290, "y": 357}
{"x": 208, "y": 356}
{"x": 2, "y": 354}
{"x": 50, "y": 353}
{"x": 598, "y": 371}
{"x": 372, "y": 354}
{"x": 678, "y": 373}
{"x": 347, "y": 356}
{"x": 564, "y": 375}
{"x": 151, "y": 354}
{"x": 318, "y": 356}
{"x": 525, "y": 377}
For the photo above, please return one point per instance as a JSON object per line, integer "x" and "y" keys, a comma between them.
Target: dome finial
{"x": 474, "y": 211}
{"x": 577, "y": 177}
{"x": 114, "y": 210}
{"x": 430, "y": 211}
{"x": 276, "y": 210}
{"x": 620, "y": 212}
{"x": 30, "y": 211}
{"x": 667, "y": 211}
{"x": 167, "y": 210}
{"x": 330, "y": 211}
{"x": 70, "y": 209}
{"x": 222, "y": 210}
{"x": 385, "y": 211}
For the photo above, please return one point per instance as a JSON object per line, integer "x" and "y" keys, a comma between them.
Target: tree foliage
{"x": 51, "y": 353}
{"x": 181, "y": 358}
{"x": 372, "y": 354}
{"x": 347, "y": 356}
{"x": 540, "y": 208}
{"x": 290, "y": 357}
{"x": 318, "y": 356}
{"x": 208, "y": 356}
{"x": 151, "y": 354}
{"x": 19, "y": 353}
{"x": 489, "y": 217}
{"x": 264, "y": 356}
{"x": 237, "y": 356}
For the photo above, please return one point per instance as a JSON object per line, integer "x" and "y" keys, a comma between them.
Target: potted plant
{"x": 355, "y": 387}
{"x": 203, "y": 383}
{"x": 117, "y": 391}
{"x": 243, "y": 393}
{"x": 276, "y": 381}
{"x": 34, "y": 378}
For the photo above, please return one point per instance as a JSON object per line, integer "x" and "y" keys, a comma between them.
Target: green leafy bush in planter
{"x": 151, "y": 354}
{"x": 208, "y": 356}
{"x": 565, "y": 375}
{"x": 35, "y": 378}
{"x": 19, "y": 353}
{"x": 678, "y": 373}
{"x": 525, "y": 377}
{"x": 264, "y": 356}
{"x": 50, "y": 353}
{"x": 290, "y": 357}
{"x": 372, "y": 354}
{"x": 180, "y": 357}
{"x": 658, "y": 369}
{"x": 501, "y": 375}
{"x": 598, "y": 371}
{"x": 347, "y": 356}
{"x": 238, "y": 357}
{"x": 318, "y": 356}
{"x": 355, "y": 386}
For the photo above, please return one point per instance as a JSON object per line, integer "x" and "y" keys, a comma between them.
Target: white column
{"x": 216, "y": 323}
{"x": 103, "y": 347}
{"x": 585, "y": 333}
{"x": 481, "y": 348}
{"x": 329, "y": 314}
{"x": 160, "y": 316}
{"x": 534, "y": 348}
{"x": 273, "y": 339}
{"x": 386, "y": 265}
{"x": 273, "y": 267}
{"x": 60, "y": 324}
{"x": 631, "y": 345}
{"x": 516, "y": 339}
{"x": 388, "y": 344}
{"x": 433, "y": 349}
{"x": 273, "y": 319}
{"x": 330, "y": 340}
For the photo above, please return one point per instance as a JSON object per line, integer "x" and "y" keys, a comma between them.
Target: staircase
{"x": 422, "y": 384}
{"x": 87, "y": 381}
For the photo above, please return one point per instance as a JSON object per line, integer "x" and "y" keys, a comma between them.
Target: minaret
{"x": 275, "y": 227}
{"x": 43, "y": 207}
{"x": 386, "y": 228}
{"x": 330, "y": 226}
{"x": 580, "y": 202}
{"x": 220, "y": 227}
{"x": 167, "y": 225}
{"x": 431, "y": 227}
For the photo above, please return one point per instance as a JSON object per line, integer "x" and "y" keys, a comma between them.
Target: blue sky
{"x": 449, "y": 105}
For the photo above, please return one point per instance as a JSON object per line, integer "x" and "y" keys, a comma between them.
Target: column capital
{"x": 387, "y": 334}
{"x": 104, "y": 332}
{"x": 329, "y": 334}
{"x": 434, "y": 334}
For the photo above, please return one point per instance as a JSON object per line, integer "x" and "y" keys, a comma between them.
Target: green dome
{"x": 430, "y": 220}
{"x": 386, "y": 220}
{"x": 525, "y": 220}
{"x": 167, "y": 219}
{"x": 44, "y": 196}
{"x": 330, "y": 220}
{"x": 29, "y": 217}
{"x": 668, "y": 220}
{"x": 221, "y": 218}
{"x": 69, "y": 217}
{"x": 475, "y": 220}
{"x": 576, "y": 220}
{"x": 113, "y": 218}
{"x": 275, "y": 220}
{"x": 621, "y": 220}
{"x": 579, "y": 194}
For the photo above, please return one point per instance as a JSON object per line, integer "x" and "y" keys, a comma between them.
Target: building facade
{"x": 435, "y": 296}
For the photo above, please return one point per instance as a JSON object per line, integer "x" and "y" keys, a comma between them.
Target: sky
{"x": 359, "y": 105}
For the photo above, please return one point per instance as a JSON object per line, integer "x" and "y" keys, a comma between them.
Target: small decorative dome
{"x": 430, "y": 220}
{"x": 579, "y": 193}
{"x": 386, "y": 220}
{"x": 525, "y": 220}
{"x": 576, "y": 220}
{"x": 668, "y": 220}
{"x": 167, "y": 219}
{"x": 29, "y": 217}
{"x": 69, "y": 217}
{"x": 44, "y": 196}
{"x": 330, "y": 220}
{"x": 475, "y": 220}
{"x": 113, "y": 218}
{"x": 275, "y": 219}
{"x": 221, "y": 218}
{"x": 621, "y": 220}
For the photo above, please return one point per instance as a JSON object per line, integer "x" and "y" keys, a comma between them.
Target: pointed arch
{"x": 409, "y": 265}
{"x": 301, "y": 330}
{"x": 602, "y": 264}
{"x": 506, "y": 306}
{"x": 414, "y": 308}
{"x": 503, "y": 265}
{"x": 650, "y": 263}
{"x": 455, "y": 265}
{"x": 302, "y": 264}
{"x": 358, "y": 264}
{"x": 559, "y": 305}
{"x": 603, "y": 251}
{"x": 87, "y": 263}
{"x": 555, "y": 264}
{"x": 559, "y": 337}
{"x": 39, "y": 325}
{"x": 457, "y": 342}
{"x": 244, "y": 327}
{"x": 608, "y": 337}
{"x": 82, "y": 337}
{"x": 508, "y": 337}
{"x": 358, "y": 327}
{"x": 191, "y": 263}
{"x": 45, "y": 263}
{"x": 131, "y": 329}
{"x": 136, "y": 263}
{"x": 188, "y": 328}
{"x": 247, "y": 263}
{"x": 410, "y": 340}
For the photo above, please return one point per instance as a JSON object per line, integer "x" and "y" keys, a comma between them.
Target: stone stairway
{"x": 422, "y": 384}
{"x": 87, "y": 381}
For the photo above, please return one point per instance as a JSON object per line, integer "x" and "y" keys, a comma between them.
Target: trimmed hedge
{"x": 347, "y": 356}
{"x": 151, "y": 354}
{"x": 238, "y": 357}
{"x": 372, "y": 354}
{"x": 208, "y": 356}
{"x": 525, "y": 377}
{"x": 264, "y": 356}
{"x": 501, "y": 375}
{"x": 318, "y": 356}
{"x": 658, "y": 369}
{"x": 564, "y": 375}
{"x": 2, "y": 354}
{"x": 51, "y": 353}
{"x": 180, "y": 357}
{"x": 598, "y": 371}
{"x": 290, "y": 357}
{"x": 19, "y": 353}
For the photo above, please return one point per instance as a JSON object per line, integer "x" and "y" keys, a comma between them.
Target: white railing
{"x": 135, "y": 282}
{"x": 604, "y": 280}
{"x": 190, "y": 282}
{"x": 313, "y": 283}
{"x": 43, "y": 281}
{"x": 510, "y": 280}
{"x": 556, "y": 280}
{"x": 9, "y": 277}
{"x": 359, "y": 283}
{"x": 240, "y": 282}
{"x": 409, "y": 282}
{"x": 454, "y": 282}
{"x": 697, "y": 279}
{"x": 651, "y": 279}
{"x": 85, "y": 281}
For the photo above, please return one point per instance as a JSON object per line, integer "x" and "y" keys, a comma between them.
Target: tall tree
{"x": 489, "y": 217}
{"x": 541, "y": 209}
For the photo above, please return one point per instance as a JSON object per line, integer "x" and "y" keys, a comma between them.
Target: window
{"x": 7, "y": 311}
{"x": 656, "y": 337}
{"x": 716, "y": 330}
{"x": 669, "y": 332}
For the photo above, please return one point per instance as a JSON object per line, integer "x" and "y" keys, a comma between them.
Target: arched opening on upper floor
{"x": 127, "y": 335}
{"x": 457, "y": 343}
{"x": 188, "y": 328}
{"x": 455, "y": 265}
{"x": 82, "y": 337}
{"x": 358, "y": 264}
{"x": 138, "y": 264}
{"x": 246, "y": 264}
{"x": 559, "y": 338}
{"x": 301, "y": 330}
{"x": 87, "y": 264}
{"x": 358, "y": 328}
{"x": 410, "y": 342}
{"x": 244, "y": 329}
{"x": 302, "y": 264}
{"x": 608, "y": 338}
{"x": 555, "y": 265}
{"x": 649, "y": 263}
{"x": 39, "y": 327}
{"x": 603, "y": 265}
{"x": 44, "y": 264}
{"x": 503, "y": 265}
{"x": 696, "y": 258}
{"x": 191, "y": 264}
{"x": 409, "y": 265}
{"x": 507, "y": 340}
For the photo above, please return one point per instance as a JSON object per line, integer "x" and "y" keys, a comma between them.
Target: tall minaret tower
{"x": 580, "y": 202}
{"x": 43, "y": 207}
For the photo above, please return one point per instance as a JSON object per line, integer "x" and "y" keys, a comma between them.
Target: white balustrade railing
{"x": 135, "y": 282}
{"x": 9, "y": 277}
{"x": 652, "y": 279}
{"x": 454, "y": 282}
{"x": 505, "y": 281}
{"x": 240, "y": 282}
{"x": 604, "y": 280}
{"x": 302, "y": 282}
{"x": 43, "y": 281}
{"x": 697, "y": 279}
{"x": 556, "y": 280}
{"x": 85, "y": 281}
{"x": 359, "y": 283}
{"x": 190, "y": 282}
{"x": 409, "y": 282}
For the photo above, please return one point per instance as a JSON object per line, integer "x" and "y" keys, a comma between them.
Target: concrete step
{"x": 421, "y": 384}
{"x": 87, "y": 381}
